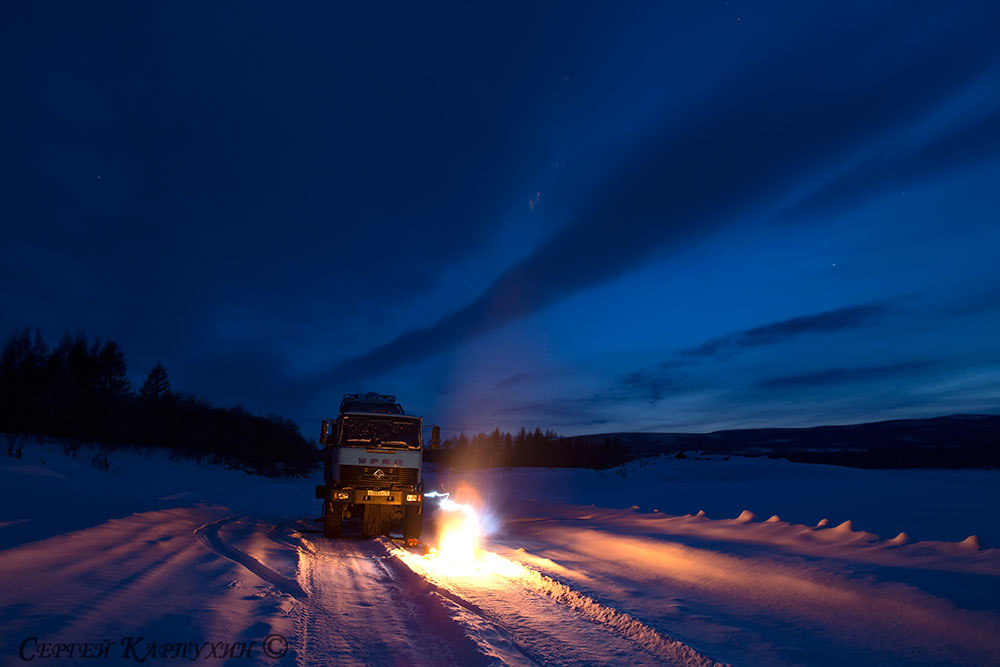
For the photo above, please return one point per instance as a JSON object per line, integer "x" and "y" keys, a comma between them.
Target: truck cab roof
{"x": 370, "y": 403}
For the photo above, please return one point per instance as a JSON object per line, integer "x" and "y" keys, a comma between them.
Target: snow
{"x": 666, "y": 561}
{"x": 947, "y": 505}
{"x": 748, "y": 591}
{"x": 632, "y": 639}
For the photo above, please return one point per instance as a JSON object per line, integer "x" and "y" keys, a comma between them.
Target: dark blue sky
{"x": 587, "y": 217}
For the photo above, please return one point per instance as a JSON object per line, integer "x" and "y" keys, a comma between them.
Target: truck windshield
{"x": 383, "y": 432}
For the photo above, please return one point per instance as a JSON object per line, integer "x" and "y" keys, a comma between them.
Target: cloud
{"x": 782, "y": 120}
{"x": 840, "y": 319}
{"x": 667, "y": 378}
{"x": 966, "y": 134}
{"x": 651, "y": 385}
{"x": 837, "y": 376}
{"x": 515, "y": 380}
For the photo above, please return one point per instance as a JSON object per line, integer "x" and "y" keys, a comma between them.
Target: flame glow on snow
{"x": 458, "y": 553}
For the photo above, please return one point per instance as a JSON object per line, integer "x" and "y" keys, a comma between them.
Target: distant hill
{"x": 956, "y": 441}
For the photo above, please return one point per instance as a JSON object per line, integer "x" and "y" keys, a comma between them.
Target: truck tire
{"x": 333, "y": 519}
{"x": 413, "y": 522}
{"x": 376, "y": 520}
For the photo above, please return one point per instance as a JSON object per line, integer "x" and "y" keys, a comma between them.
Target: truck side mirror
{"x": 435, "y": 437}
{"x": 324, "y": 434}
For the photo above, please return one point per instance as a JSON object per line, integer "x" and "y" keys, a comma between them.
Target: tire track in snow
{"x": 110, "y": 580}
{"x": 208, "y": 534}
{"x": 494, "y": 640}
{"x": 356, "y": 612}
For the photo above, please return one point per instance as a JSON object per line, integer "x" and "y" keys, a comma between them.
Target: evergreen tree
{"x": 22, "y": 380}
{"x": 112, "y": 367}
{"x": 156, "y": 386}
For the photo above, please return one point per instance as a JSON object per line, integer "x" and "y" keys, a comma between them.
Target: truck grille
{"x": 364, "y": 477}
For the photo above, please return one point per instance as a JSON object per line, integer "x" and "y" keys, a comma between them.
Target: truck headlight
{"x": 343, "y": 496}
{"x": 412, "y": 497}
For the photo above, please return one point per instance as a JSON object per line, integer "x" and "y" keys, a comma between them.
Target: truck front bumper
{"x": 375, "y": 496}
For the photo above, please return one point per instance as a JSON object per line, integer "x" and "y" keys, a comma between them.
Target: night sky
{"x": 588, "y": 217}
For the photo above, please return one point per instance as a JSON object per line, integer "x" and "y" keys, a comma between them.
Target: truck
{"x": 372, "y": 467}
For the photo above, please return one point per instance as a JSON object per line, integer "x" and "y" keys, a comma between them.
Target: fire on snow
{"x": 458, "y": 553}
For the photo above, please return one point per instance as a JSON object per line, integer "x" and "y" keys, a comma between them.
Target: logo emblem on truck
{"x": 379, "y": 474}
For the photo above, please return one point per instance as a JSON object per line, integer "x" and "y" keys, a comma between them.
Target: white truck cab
{"x": 372, "y": 464}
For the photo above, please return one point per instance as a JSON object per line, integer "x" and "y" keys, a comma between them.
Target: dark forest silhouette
{"x": 80, "y": 391}
{"x": 956, "y": 441}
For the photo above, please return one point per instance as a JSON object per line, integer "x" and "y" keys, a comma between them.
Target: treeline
{"x": 80, "y": 390}
{"x": 527, "y": 449}
{"x": 954, "y": 441}
{"x": 898, "y": 456}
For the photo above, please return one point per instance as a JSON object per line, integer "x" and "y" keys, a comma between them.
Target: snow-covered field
{"x": 581, "y": 568}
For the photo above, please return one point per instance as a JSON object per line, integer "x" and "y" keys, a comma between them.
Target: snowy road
{"x": 215, "y": 559}
{"x": 586, "y": 586}
{"x": 373, "y": 603}
{"x": 357, "y": 611}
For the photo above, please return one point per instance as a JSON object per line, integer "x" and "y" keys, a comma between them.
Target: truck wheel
{"x": 376, "y": 520}
{"x": 333, "y": 519}
{"x": 413, "y": 522}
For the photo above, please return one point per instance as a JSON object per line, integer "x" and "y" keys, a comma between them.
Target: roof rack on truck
{"x": 382, "y": 404}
